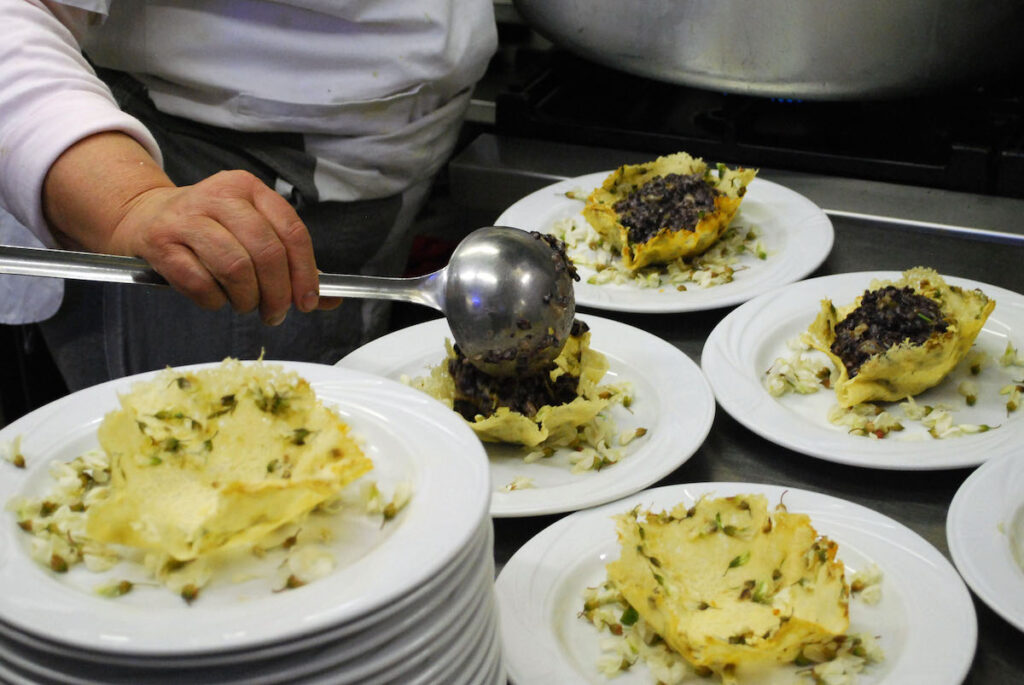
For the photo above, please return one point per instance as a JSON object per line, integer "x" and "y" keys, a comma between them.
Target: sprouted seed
{"x": 12, "y": 453}
{"x": 716, "y": 266}
{"x": 190, "y": 593}
{"x": 518, "y": 483}
{"x": 292, "y": 582}
{"x": 117, "y": 589}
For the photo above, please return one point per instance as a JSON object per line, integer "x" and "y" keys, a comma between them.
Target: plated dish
{"x": 985, "y": 532}
{"x": 797, "y": 236}
{"x": 672, "y": 400}
{"x": 746, "y": 342}
{"x": 539, "y": 590}
{"x": 405, "y": 435}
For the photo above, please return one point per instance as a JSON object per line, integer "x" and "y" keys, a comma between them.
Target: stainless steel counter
{"x": 878, "y": 226}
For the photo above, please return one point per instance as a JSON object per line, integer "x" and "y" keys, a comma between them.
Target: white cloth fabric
{"x": 25, "y": 299}
{"x": 49, "y": 99}
{"x": 377, "y": 87}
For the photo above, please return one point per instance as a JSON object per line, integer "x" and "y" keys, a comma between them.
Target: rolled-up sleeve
{"x": 50, "y": 98}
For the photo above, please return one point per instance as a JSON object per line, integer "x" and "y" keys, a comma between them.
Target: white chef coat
{"x": 376, "y": 87}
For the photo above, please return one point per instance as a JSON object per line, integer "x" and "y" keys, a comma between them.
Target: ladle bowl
{"x": 507, "y": 294}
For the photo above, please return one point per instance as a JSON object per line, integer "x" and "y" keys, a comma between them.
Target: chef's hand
{"x": 228, "y": 238}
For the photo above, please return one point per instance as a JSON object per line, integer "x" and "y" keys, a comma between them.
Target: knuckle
{"x": 236, "y": 269}
{"x": 231, "y": 184}
{"x": 269, "y": 254}
{"x": 201, "y": 290}
{"x": 235, "y": 176}
{"x": 295, "y": 231}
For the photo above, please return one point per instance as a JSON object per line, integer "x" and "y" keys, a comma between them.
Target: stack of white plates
{"x": 407, "y": 602}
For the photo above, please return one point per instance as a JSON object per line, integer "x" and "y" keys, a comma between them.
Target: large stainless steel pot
{"x": 815, "y": 49}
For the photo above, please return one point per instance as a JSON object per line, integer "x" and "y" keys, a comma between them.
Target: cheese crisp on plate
{"x": 218, "y": 458}
{"x": 546, "y": 408}
{"x": 899, "y": 338}
{"x": 727, "y": 583}
{"x": 675, "y": 206}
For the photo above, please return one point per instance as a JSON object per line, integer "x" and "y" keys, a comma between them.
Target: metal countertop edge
{"x": 933, "y": 227}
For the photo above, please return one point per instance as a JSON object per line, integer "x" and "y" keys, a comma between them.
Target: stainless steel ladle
{"x": 507, "y": 294}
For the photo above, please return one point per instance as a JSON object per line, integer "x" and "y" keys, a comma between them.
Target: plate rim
{"x": 723, "y": 372}
{"x": 963, "y": 516}
{"x": 813, "y": 258}
{"x": 693, "y": 440}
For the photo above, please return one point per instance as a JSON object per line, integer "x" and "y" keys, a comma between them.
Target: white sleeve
{"x": 50, "y": 98}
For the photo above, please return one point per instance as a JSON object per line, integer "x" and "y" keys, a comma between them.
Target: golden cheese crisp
{"x": 728, "y": 583}
{"x": 485, "y": 402}
{"x": 216, "y": 458}
{"x": 675, "y": 206}
{"x": 899, "y": 338}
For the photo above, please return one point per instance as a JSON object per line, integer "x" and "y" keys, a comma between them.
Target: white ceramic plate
{"x": 796, "y": 232}
{"x": 671, "y": 399}
{"x": 456, "y": 621}
{"x": 488, "y": 671}
{"x": 747, "y": 341}
{"x": 985, "y": 531}
{"x": 468, "y": 663}
{"x": 408, "y": 436}
{"x": 352, "y": 637}
{"x": 926, "y": 641}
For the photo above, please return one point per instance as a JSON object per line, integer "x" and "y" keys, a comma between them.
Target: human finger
{"x": 265, "y": 253}
{"x": 298, "y": 245}
{"x": 204, "y": 260}
{"x": 263, "y": 256}
{"x": 229, "y": 260}
{"x": 186, "y": 274}
{"x": 326, "y": 304}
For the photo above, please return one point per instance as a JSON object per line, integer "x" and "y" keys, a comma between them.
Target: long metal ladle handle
{"x": 86, "y": 266}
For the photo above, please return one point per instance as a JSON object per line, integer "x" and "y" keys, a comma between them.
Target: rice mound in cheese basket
{"x": 525, "y": 410}
{"x": 728, "y": 583}
{"x": 675, "y": 206}
{"x": 218, "y": 458}
{"x": 899, "y": 338}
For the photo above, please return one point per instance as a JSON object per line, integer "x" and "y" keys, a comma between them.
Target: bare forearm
{"x": 93, "y": 185}
{"x": 49, "y": 99}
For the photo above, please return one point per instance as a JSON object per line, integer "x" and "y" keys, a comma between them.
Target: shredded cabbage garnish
{"x": 867, "y": 584}
{"x": 626, "y": 643}
{"x": 969, "y": 390}
{"x": 853, "y": 656}
{"x": 713, "y": 267}
{"x": 805, "y": 372}
{"x": 518, "y": 483}
{"x": 57, "y": 523}
{"x": 865, "y": 419}
{"x": 940, "y": 425}
{"x": 1013, "y": 391}
{"x": 11, "y": 452}
{"x": 627, "y": 639}
{"x": 592, "y": 446}
{"x": 1011, "y": 357}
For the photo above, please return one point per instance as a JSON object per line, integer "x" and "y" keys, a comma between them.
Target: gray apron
{"x": 105, "y": 331}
